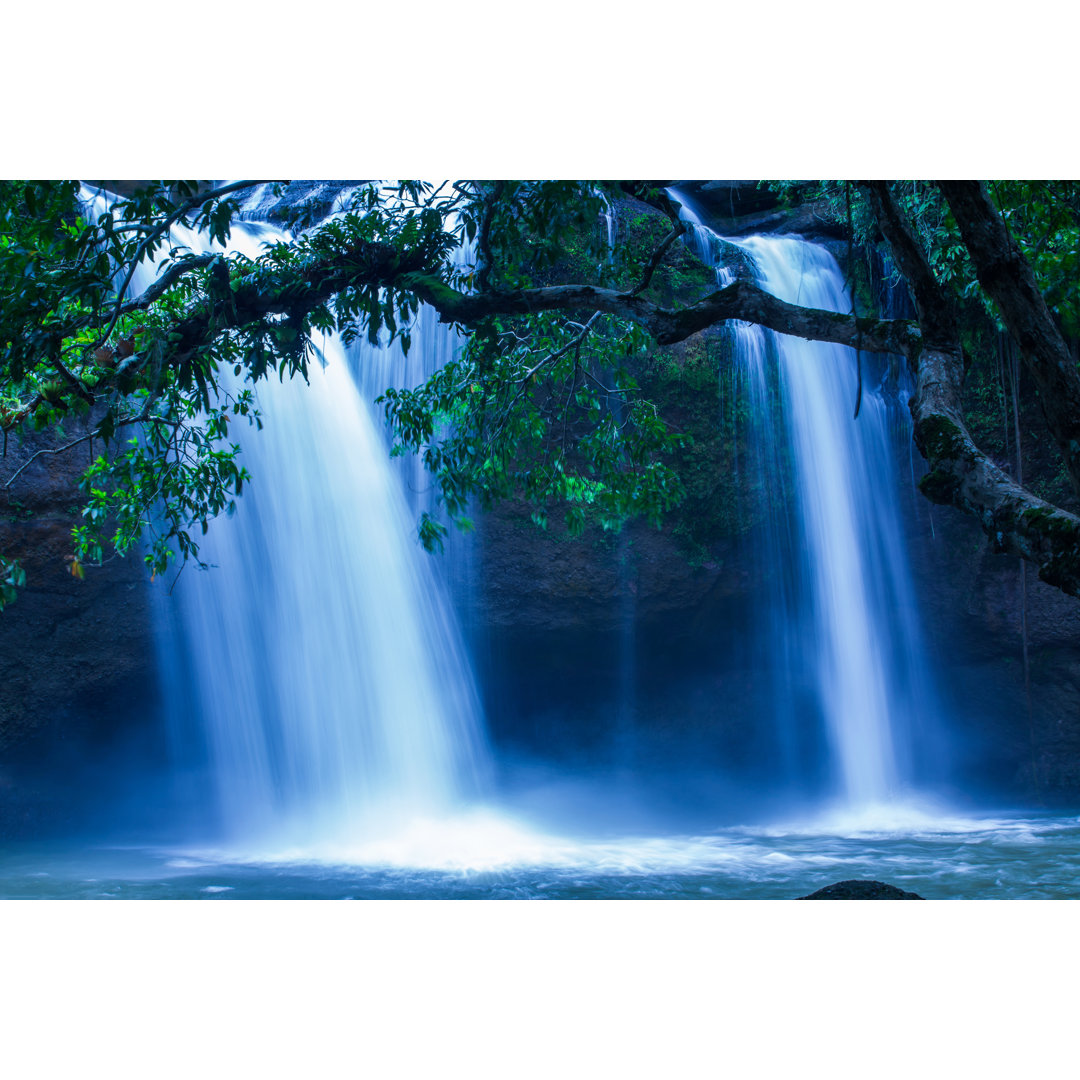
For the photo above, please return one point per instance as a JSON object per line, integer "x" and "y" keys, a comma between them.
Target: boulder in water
{"x": 862, "y": 890}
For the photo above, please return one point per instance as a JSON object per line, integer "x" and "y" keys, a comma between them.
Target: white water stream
{"x": 319, "y": 658}
{"x": 842, "y": 625}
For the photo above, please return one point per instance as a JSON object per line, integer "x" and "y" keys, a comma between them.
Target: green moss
{"x": 941, "y": 438}
{"x": 1063, "y": 570}
{"x": 1051, "y": 524}
{"x": 431, "y": 288}
{"x": 939, "y": 486}
{"x": 1037, "y": 517}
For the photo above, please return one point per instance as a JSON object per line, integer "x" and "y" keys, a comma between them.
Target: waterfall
{"x": 318, "y": 663}
{"x": 377, "y": 367}
{"x": 318, "y": 674}
{"x": 841, "y": 623}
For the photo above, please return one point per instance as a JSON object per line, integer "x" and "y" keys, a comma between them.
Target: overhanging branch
{"x": 741, "y": 300}
{"x": 159, "y": 231}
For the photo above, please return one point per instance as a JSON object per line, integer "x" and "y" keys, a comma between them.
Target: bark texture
{"x": 961, "y": 475}
{"x": 1009, "y": 281}
{"x": 741, "y": 300}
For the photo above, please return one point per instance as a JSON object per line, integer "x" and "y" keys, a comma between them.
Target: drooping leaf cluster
{"x": 153, "y": 378}
{"x": 124, "y": 333}
{"x": 544, "y": 410}
{"x": 79, "y": 356}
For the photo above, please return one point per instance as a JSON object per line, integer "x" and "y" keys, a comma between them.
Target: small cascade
{"x": 377, "y": 367}
{"x": 319, "y": 662}
{"x": 841, "y": 626}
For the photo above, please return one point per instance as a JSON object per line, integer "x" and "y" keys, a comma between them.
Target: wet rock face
{"x": 587, "y": 645}
{"x": 862, "y": 890}
{"x": 741, "y": 207}
{"x": 72, "y": 652}
{"x": 1015, "y": 726}
{"x": 545, "y": 580}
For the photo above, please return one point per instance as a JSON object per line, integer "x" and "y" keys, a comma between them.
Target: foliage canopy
{"x": 540, "y": 404}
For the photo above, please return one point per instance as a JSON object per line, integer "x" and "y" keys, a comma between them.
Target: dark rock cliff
{"x": 65, "y": 643}
{"x": 77, "y": 666}
{"x": 1016, "y": 716}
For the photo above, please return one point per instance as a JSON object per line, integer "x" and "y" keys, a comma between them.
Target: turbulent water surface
{"x": 486, "y": 855}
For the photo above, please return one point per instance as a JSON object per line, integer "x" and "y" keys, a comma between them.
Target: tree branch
{"x": 961, "y": 475}
{"x": 160, "y": 230}
{"x": 17, "y": 418}
{"x": 935, "y": 310}
{"x": 575, "y": 343}
{"x": 144, "y": 416}
{"x": 652, "y": 193}
{"x": 51, "y": 450}
{"x": 657, "y": 255}
{"x": 76, "y": 384}
{"x": 740, "y": 300}
{"x": 1009, "y": 281}
{"x": 163, "y": 283}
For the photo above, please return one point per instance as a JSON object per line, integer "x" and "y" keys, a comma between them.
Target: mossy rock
{"x": 861, "y": 890}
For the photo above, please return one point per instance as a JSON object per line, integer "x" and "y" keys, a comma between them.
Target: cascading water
{"x": 375, "y": 367}
{"x": 321, "y": 665}
{"x": 326, "y": 664}
{"x": 320, "y": 658}
{"x": 842, "y": 625}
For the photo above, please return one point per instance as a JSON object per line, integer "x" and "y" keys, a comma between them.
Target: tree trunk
{"x": 1009, "y": 281}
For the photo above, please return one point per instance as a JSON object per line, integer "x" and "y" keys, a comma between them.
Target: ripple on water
{"x": 489, "y": 855}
